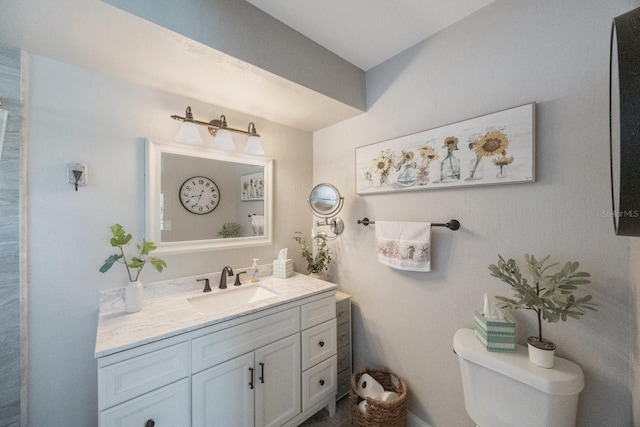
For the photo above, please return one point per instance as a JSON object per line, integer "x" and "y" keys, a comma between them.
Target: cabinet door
{"x": 223, "y": 396}
{"x": 278, "y": 397}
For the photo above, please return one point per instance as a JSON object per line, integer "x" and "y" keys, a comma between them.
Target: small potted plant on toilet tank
{"x": 549, "y": 294}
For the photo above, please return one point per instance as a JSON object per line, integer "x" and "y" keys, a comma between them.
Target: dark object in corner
{"x": 624, "y": 123}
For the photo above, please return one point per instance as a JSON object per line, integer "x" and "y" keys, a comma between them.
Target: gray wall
{"x": 80, "y": 115}
{"x": 507, "y": 54}
{"x": 10, "y": 277}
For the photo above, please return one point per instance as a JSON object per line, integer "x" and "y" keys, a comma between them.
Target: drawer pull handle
{"x": 321, "y": 343}
{"x": 149, "y": 423}
{"x": 321, "y": 382}
{"x": 262, "y": 372}
{"x": 251, "y": 381}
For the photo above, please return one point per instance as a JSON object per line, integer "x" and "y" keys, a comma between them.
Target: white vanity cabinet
{"x": 269, "y": 368}
{"x": 319, "y": 361}
{"x": 144, "y": 387}
{"x": 257, "y": 388}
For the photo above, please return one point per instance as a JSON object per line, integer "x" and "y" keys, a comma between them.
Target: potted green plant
{"x": 133, "y": 291}
{"x": 549, "y": 294}
{"x": 230, "y": 229}
{"x": 322, "y": 258}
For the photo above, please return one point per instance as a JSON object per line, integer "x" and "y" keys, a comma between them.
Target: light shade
{"x": 189, "y": 134}
{"x": 254, "y": 146}
{"x": 223, "y": 140}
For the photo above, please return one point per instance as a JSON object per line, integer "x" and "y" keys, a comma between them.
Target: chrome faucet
{"x": 226, "y": 271}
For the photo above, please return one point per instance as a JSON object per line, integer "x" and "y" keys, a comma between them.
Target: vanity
{"x": 267, "y": 356}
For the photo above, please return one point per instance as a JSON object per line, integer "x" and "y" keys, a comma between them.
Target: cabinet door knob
{"x": 262, "y": 372}
{"x": 321, "y": 382}
{"x": 149, "y": 423}
{"x": 321, "y": 343}
{"x": 251, "y": 381}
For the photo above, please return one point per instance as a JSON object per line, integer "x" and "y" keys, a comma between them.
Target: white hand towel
{"x": 404, "y": 245}
{"x": 257, "y": 223}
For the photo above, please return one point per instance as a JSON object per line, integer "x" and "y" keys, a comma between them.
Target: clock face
{"x": 199, "y": 195}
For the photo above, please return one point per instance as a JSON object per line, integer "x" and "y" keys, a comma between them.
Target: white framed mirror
{"x": 201, "y": 199}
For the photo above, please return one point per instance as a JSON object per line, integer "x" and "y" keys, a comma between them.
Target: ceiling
{"x": 91, "y": 34}
{"x": 368, "y": 32}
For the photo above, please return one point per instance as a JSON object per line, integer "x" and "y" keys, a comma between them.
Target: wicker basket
{"x": 392, "y": 413}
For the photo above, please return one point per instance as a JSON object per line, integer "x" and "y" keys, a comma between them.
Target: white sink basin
{"x": 229, "y": 299}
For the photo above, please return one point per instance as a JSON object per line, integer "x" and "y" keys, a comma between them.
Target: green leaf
{"x": 109, "y": 262}
{"x": 120, "y": 238}
{"x": 158, "y": 264}
{"x": 136, "y": 263}
{"x": 147, "y": 247}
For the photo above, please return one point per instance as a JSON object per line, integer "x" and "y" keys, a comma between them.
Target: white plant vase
{"x": 133, "y": 297}
{"x": 541, "y": 357}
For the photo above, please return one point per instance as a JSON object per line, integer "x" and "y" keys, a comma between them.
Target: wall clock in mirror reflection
{"x": 199, "y": 195}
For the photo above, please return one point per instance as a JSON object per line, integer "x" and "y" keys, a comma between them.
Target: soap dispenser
{"x": 255, "y": 271}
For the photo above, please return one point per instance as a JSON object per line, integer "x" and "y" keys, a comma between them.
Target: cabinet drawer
{"x": 318, "y": 343}
{"x": 167, "y": 406}
{"x": 317, "y": 312}
{"x": 319, "y": 382}
{"x": 344, "y": 334}
{"x": 132, "y": 377}
{"x": 344, "y": 358}
{"x": 344, "y": 382}
{"x": 226, "y": 344}
{"x": 343, "y": 311}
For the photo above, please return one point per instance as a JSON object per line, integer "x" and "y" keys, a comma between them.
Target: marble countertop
{"x": 168, "y": 313}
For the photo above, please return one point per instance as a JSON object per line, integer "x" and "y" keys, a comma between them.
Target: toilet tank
{"x": 506, "y": 390}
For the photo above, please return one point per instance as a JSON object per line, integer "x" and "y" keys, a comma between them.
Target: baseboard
{"x": 413, "y": 421}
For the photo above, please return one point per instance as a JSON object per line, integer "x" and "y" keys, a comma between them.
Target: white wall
{"x": 79, "y": 115}
{"x": 510, "y": 53}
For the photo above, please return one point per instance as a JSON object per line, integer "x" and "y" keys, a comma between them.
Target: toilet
{"x": 507, "y": 390}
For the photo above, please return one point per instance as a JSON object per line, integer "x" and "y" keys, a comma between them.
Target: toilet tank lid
{"x": 565, "y": 378}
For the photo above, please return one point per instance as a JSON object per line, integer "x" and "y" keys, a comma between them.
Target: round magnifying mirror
{"x": 325, "y": 200}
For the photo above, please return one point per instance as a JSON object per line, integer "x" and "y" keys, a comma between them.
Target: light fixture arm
{"x": 214, "y": 125}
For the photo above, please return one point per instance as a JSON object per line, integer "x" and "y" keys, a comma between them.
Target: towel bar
{"x": 453, "y": 225}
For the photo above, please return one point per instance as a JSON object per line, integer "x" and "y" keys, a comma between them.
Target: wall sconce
{"x": 189, "y": 134}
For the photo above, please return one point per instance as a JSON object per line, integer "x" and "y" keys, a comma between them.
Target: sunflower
{"x": 502, "y": 161}
{"x": 381, "y": 165}
{"x": 407, "y": 156}
{"x": 451, "y": 143}
{"x": 428, "y": 154}
{"x": 491, "y": 143}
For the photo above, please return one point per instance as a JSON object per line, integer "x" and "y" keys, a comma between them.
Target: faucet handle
{"x": 207, "y": 288}
{"x": 237, "y": 282}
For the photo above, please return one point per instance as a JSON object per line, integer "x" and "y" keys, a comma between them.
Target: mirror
{"x": 624, "y": 105}
{"x": 199, "y": 199}
{"x": 325, "y": 202}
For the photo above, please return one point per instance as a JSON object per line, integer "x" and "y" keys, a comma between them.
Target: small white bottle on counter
{"x": 255, "y": 271}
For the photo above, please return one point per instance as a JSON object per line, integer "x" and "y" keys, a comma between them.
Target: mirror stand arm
{"x": 336, "y": 224}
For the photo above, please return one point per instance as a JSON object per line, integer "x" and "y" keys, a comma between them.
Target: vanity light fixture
{"x": 220, "y": 131}
{"x": 188, "y": 132}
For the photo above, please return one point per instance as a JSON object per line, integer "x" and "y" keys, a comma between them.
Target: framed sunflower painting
{"x": 496, "y": 148}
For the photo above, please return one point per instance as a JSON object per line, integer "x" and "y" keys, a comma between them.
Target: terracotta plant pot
{"x": 541, "y": 353}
